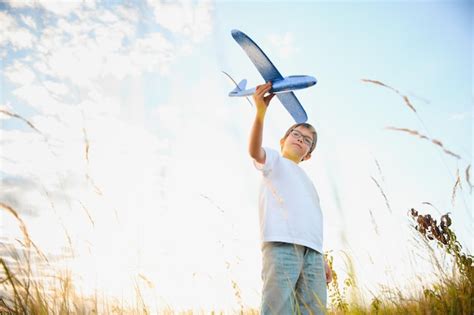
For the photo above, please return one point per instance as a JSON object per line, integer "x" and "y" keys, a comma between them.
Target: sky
{"x": 134, "y": 168}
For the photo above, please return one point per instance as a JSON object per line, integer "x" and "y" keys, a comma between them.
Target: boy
{"x": 294, "y": 272}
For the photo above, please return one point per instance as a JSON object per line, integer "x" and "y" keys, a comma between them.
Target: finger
{"x": 261, "y": 89}
{"x": 262, "y": 86}
{"x": 269, "y": 97}
{"x": 259, "y": 94}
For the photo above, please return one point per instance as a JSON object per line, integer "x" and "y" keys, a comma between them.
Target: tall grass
{"x": 451, "y": 292}
{"x": 25, "y": 292}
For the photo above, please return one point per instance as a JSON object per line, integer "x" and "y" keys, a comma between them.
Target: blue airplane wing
{"x": 293, "y": 106}
{"x": 266, "y": 68}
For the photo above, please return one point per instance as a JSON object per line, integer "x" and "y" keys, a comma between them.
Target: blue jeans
{"x": 294, "y": 280}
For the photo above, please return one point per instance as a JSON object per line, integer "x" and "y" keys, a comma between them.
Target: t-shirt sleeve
{"x": 270, "y": 158}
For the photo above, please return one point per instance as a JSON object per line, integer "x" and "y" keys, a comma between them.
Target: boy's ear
{"x": 306, "y": 157}
{"x": 282, "y": 140}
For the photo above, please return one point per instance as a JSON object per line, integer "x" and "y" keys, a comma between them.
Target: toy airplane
{"x": 281, "y": 86}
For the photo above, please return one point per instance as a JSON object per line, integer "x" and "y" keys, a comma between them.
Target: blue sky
{"x": 167, "y": 167}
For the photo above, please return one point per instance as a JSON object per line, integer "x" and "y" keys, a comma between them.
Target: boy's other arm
{"x": 261, "y": 103}
{"x": 328, "y": 271}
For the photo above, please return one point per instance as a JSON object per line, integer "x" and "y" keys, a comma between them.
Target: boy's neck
{"x": 291, "y": 157}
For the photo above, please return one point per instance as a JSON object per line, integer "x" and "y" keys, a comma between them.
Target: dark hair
{"x": 307, "y": 126}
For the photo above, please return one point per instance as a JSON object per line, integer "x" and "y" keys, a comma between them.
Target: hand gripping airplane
{"x": 281, "y": 86}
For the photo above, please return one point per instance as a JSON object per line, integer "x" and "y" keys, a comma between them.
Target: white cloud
{"x": 57, "y": 88}
{"x": 18, "y": 160}
{"x": 11, "y": 33}
{"x": 93, "y": 47}
{"x": 128, "y": 13}
{"x": 192, "y": 20}
{"x": 61, "y": 8}
{"x": 39, "y": 97}
{"x": 21, "y": 4}
{"x": 110, "y": 36}
{"x": 51, "y": 38}
{"x": 19, "y": 73}
{"x": 29, "y": 21}
{"x": 284, "y": 44}
{"x": 152, "y": 52}
{"x": 102, "y": 42}
{"x": 461, "y": 116}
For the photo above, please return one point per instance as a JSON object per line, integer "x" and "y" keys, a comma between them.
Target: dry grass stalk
{"x": 228, "y": 75}
{"x": 456, "y": 185}
{"x": 383, "y": 194}
{"x": 87, "y": 212}
{"x": 14, "y": 115}
{"x": 23, "y": 228}
{"x": 428, "y": 203}
{"x": 86, "y": 143}
{"x": 237, "y": 295}
{"x": 379, "y": 169}
{"x": 431, "y": 205}
{"x": 148, "y": 282}
{"x": 468, "y": 177}
{"x": 405, "y": 98}
{"x": 416, "y": 133}
{"x": 212, "y": 202}
{"x": 28, "y": 242}
{"x": 374, "y": 223}
{"x": 8, "y": 113}
{"x": 140, "y": 301}
{"x": 13, "y": 283}
{"x": 86, "y": 156}
{"x": 96, "y": 188}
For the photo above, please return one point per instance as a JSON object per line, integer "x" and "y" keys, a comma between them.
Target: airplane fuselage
{"x": 287, "y": 84}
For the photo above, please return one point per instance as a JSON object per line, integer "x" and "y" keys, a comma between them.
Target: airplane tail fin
{"x": 241, "y": 86}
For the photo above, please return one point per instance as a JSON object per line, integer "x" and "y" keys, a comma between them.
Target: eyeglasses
{"x": 297, "y": 135}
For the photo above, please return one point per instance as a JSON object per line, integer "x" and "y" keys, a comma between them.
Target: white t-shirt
{"x": 289, "y": 207}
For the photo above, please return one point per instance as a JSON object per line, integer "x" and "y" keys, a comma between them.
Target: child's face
{"x": 297, "y": 145}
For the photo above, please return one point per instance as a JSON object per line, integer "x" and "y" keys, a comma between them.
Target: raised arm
{"x": 261, "y": 103}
